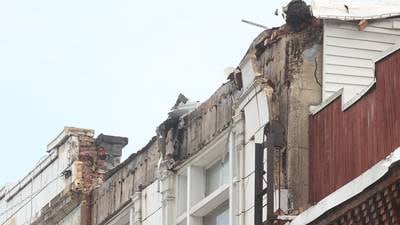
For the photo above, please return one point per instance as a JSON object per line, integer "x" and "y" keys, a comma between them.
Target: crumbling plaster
{"x": 131, "y": 176}
{"x": 178, "y": 139}
{"x": 288, "y": 64}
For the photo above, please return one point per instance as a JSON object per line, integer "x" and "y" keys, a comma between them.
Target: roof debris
{"x": 298, "y": 15}
{"x": 362, "y": 25}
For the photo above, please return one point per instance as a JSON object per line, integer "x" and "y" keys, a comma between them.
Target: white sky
{"x": 115, "y": 66}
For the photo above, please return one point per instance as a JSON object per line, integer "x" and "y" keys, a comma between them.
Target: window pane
{"x": 220, "y": 216}
{"x": 217, "y": 175}
{"x": 213, "y": 177}
{"x": 225, "y": 172}
{"x": 182, "y": 195}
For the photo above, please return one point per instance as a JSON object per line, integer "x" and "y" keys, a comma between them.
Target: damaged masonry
{"x": 306, "y": 130}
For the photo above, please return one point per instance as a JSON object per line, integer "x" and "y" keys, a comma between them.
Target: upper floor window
{"x": 219, "y": 216}
{"x": 181, "y": 193}
{"x": 216, "y": 175}
{"x": 204, "y": 185}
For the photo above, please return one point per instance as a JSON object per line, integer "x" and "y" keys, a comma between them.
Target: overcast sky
{"x": 115, "y": 66}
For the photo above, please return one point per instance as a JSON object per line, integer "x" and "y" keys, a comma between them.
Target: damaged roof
{"x": 340, "y": 10}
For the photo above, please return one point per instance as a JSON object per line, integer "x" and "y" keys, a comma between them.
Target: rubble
{"x": 298, "y": 15}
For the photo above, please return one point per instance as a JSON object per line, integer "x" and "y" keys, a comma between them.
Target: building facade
{"x": 304, "y": 131}
{"x": 56, "y": 190}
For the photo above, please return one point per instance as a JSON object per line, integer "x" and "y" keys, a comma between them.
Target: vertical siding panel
{"x": 345, "y": 144}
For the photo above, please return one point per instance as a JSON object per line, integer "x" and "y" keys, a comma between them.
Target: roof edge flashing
{"x": 341, "y": 92}
{"x": 316, "y": 109}
{"x": 350, "y": 11}
{"x": 352, "y": 101}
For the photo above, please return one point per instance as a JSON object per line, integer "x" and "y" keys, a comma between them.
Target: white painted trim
{"x": 196, "y": 192}
{"x": 39, "y": 168}
{"x": 131, "y": 216}
{"x": 349, "y": 103}
{"x": 240, "y": 104}
{"x": 209, "y": 148}
{"x": 179, "y": 202}
{"x": 232, "y": 200}
{"x": 323, "y": 77}
{"x": 345, "y": 105}
{"x": 352, "y": 18}
{"x": 323, "y": 9}
{"x": 217, "y": 159}
{"x": 315, "y": 109}
{"x": 120, "y": 214}
{"x": 349, "y": 190}
{"x": 246, "y": 59}
{"x": 386, "y": 53}
{"x": 211, "y": 202}
{"x": 181, "y": 218}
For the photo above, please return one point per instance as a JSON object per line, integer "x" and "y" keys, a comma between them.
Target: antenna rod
{"x": 254, "y": 24}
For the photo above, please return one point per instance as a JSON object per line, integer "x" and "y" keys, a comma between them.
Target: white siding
{"x": 151, "y": 203}
{"x": 24, "y": 201}
{"x": 256, "y": 111}
{"x": 248, "y": 74}
{"x": 349, "y": 54}
{"x": 255, "y": 107}
{"x": 329, "y": 9}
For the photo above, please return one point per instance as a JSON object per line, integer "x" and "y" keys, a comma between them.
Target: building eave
{"x": 349, "y": 190}
{"x": 350, "y": 11}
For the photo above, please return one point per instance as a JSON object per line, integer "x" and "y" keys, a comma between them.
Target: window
{"x": 203, "y": 187}
{"x": 183, "y": 223}
{"x": 182, "y": 194}
{"x": 216, "y": 175}
{"x": 219, "y": 216}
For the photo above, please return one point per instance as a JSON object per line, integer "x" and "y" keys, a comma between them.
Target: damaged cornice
{"x": 67, "y": 132}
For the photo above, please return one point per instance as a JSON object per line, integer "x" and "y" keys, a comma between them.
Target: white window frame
{"x": 198, "y": 204}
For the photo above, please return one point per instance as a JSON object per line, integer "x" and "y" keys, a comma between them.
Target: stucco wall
{"x": 290, "y": 63}
{"x": 134, "y": 174}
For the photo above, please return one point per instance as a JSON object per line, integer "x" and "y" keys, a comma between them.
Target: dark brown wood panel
{"x": 344, "y": 144}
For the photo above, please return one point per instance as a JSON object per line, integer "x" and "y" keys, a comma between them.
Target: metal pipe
{"x": 254, "y": 24}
